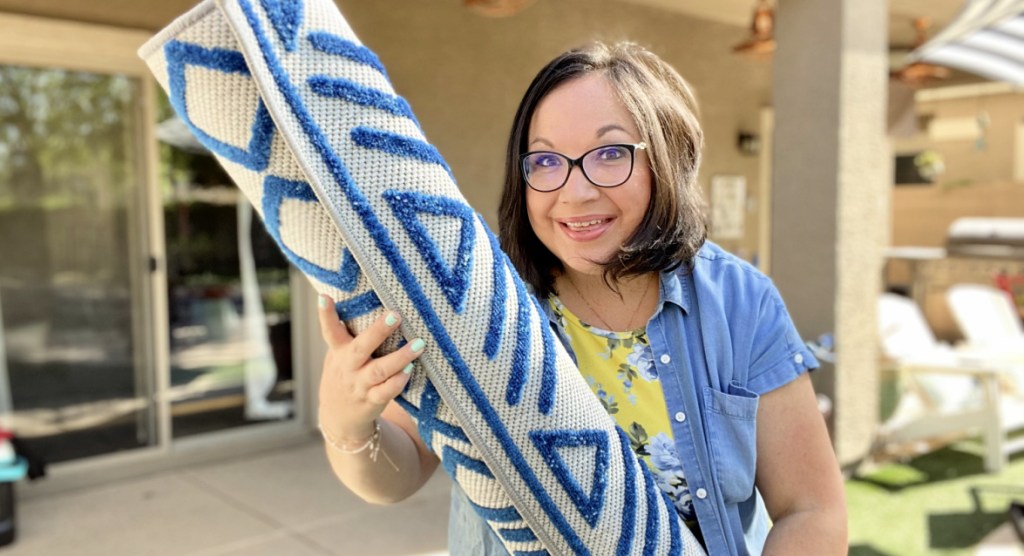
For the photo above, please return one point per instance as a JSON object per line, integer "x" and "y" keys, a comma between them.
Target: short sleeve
{"x": 778, "y": 354}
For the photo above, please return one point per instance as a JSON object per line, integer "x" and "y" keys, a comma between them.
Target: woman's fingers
{"x": 334, "y": 332}
{"x": 367, "y": 341}
{"x": 388, "y": 375}
{"x": 379, "y": 379}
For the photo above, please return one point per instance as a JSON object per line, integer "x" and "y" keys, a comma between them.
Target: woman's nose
{"x": 577, "y": 187}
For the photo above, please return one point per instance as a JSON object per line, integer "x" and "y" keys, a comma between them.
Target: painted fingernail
{"x": 391, "y": 319}
{"x": 417, "y": 345}
{"x": 407, "y": 369}
{"x": 321, "y": 301}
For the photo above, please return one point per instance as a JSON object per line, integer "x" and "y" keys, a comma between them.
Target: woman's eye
{"x": 611, "y": 153}
{"x": 546, "y": 161}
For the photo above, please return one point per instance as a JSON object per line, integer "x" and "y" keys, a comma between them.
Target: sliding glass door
{"x": 72, "y": 297}
{"x": 142, "y": 305}
{"x": 229, "y": 302}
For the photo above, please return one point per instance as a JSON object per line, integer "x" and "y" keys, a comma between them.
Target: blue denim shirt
{"x": 721, "y": 337}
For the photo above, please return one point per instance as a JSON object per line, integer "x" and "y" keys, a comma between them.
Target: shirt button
{"x": 680, "y": 416}
{"x": 665, "y": 358}
{"x": 798, "y": 358}
{"x": 701, "y": 493}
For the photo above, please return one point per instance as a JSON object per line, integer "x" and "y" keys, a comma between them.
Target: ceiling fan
{"x": 761, "y": 42}
{"x": 496, "y": 8}
{"x": 918, "y": 73}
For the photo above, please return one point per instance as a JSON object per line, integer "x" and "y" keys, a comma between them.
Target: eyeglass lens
{"x": 606, "y": 166}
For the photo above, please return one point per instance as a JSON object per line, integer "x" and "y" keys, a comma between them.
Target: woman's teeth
{"x": 582, "y": 225}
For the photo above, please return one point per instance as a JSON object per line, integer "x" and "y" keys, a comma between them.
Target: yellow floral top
{"x": 619, "y": 367}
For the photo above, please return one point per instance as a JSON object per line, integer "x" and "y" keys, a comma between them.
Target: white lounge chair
{"x": 991, "y": 325}
{"x": 945, "y": 394}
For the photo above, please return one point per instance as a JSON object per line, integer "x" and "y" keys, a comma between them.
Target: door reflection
{"x": 229, "y": 302}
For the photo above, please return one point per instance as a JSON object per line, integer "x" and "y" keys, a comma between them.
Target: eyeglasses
{"x": 604, "y": 166}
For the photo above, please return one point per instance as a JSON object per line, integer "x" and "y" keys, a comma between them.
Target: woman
{"x": 690, "y": 349}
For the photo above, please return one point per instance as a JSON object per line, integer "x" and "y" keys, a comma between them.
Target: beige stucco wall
{"x": 463, "y": 74}
{"x": 980, "y": 175}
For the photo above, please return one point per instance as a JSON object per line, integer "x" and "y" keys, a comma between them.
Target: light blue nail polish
{"x": 391, "y": 319}
{"x": 321, "y": 301}
{"x": 407, "y": 369}
{"x": 417, "y": 345}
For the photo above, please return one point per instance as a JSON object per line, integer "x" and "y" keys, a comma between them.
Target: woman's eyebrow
{"x": 606, "y": 128}
{"x": 600, "y": 132}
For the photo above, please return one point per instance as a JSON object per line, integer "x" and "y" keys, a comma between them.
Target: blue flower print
{"x": 663, "y": 453}
{"x": 626, "y": 375}
{"x": 643, "y": 359}
{"x": 606, "y": 399}
{"x": 669, "y": 476}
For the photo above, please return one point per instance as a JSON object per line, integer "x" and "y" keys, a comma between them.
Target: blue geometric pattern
{"x": 452, "y": 276}
{"x": 345, "y": 278}
{"x": 338, "y": 46}
{"x": 549, "y": 443}
{"x": 549, "y": 374}
{"x": 521, "y": 351}
{"x": 286, "y": 17}
{"x": 625, "y": 544}
{"x": 507, "y": 514}
{"x": 398, "y": 145}
{"x": 181, "y": 55}
{"x": 426, "y": 418}
{"x": 523, "y": 534}
{"x": 345, "y": 89}
{"x": 496, "y": 321}
{"x": 452, "y": 458}
{"x": 356, "y": 201}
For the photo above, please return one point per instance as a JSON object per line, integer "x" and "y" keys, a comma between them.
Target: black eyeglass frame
{"x": 631, "y": 147}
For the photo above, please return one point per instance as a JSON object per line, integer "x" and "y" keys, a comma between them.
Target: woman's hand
{"x": 355, "y": 387}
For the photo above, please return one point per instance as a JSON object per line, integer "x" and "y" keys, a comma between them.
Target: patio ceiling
{"x": 155, "y": 14}
{"x": 739, "y": 12}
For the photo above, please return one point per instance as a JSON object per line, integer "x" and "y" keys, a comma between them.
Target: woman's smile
{"x": 585, "y": 228}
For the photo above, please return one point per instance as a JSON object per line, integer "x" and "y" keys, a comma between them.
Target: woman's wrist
{"x": 347, "y": 434}
{"x": 373, "y": 445}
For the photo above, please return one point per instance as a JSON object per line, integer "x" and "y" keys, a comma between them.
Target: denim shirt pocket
{"x": 732, "y": 433}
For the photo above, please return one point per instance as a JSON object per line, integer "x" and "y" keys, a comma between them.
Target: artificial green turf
{"x": 925, "y": 506}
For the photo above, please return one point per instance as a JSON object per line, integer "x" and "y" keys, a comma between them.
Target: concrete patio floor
{"x": 278, "y": 503}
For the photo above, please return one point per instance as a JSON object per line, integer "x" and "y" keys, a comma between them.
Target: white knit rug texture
{"x": 305, "y": 121}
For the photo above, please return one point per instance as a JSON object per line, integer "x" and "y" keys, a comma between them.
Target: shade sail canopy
{"x": 986, "y": 39}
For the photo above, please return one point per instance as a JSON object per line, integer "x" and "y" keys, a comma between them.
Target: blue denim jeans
{"x": 468, "y": 533}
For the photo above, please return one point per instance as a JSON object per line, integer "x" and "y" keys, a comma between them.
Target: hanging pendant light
{"x": 497, "y": 8}
{"x": 761, "y": 42}
{"x": 919, "y": 73}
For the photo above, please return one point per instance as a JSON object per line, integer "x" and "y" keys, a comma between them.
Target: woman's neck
{"x": 624, "y": 306}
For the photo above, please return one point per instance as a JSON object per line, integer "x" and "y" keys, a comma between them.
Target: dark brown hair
{"x": 665, "y": 111}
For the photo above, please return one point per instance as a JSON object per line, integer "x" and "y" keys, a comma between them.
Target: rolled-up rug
{"x": 305, "y": 121}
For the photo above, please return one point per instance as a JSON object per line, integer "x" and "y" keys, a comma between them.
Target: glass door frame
{"x": 49, "y": 43}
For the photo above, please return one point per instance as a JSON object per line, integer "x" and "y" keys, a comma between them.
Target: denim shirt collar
{"x": 672, "y": 290}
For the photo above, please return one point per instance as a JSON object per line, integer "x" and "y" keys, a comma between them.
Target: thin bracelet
{"x": 373, "y": 444}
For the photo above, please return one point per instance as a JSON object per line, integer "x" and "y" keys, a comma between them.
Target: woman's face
{"x": 581, "y": 222}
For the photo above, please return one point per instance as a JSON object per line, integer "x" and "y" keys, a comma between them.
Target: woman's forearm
{"x": 399, "y": 471}
{"x": 818, "y": 532}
